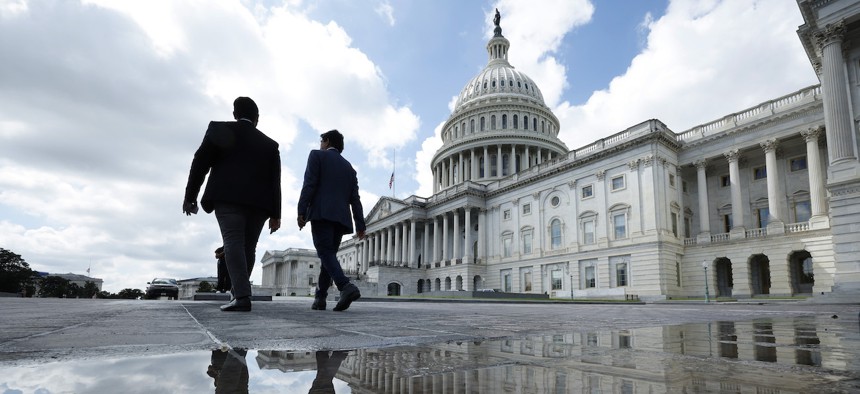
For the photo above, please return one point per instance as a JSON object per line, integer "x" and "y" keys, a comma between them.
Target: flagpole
{"x": 394, "y": 181}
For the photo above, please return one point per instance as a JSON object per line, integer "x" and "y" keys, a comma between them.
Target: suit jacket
{"x": 244, "y": 167}
{"x": 330, "y": 189}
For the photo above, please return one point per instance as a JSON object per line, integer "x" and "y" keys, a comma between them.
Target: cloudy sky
{"x": 103, "y": 103}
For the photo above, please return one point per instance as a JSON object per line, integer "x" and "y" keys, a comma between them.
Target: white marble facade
{"x": 765, "y": 200}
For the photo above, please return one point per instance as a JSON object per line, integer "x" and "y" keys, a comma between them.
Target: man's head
{"x": 333, "y": 138}
{"x": 244, "y": 107}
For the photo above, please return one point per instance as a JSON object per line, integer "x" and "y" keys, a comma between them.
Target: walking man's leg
{"x": 327, "y": 236}
{"x": 232, "y": 221}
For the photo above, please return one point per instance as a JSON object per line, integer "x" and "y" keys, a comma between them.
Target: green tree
{"x": 89, "y": 290}
{"x": 54, "y": 287}
{"x": 106, "y": 294}
{"x": 205, "y": 287}
{"x": 15, "y": 273}
{"x": 130, "y": 294}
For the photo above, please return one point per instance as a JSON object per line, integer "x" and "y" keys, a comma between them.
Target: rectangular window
{"x": 507, "y": 214}
{"x": 672, "y": 180}
{"x": 506, "y": 281}
{"x": 678, "y": 274}
{"x": 587, "y": 191}
{"x": 527, "y": 242}
{"x": 687, "y": 225}
{"x": 621, "y": 274}
{"x": 684, "y": 186}
{"x": 727, "y": 223}
{"x": 797, "y": 163}
{"x": 527, "y": 281}
{"x": 507, "y": 246}
{"x": 527, "y": 209}
{"x": 802, "y": 211}
{"x": 311, "y": 281}
{"x": 619, "y": 223}
{"x": 725, "y": 181}
{"x": 762, "y": 214}
{"x": 588, "y": 232}
{"x": 555, "y": 275}
{"x": 618, "y": 183}
{"x": 675, "y": 224}
{"x": 759, "y": 173}
{"x": 590, "y": 278}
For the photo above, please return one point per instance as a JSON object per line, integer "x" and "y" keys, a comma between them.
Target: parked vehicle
{"x": 162, "y": 286}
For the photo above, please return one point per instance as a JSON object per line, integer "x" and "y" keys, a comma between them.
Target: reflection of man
{"x": 327, "y": 366}
{"x": 329, "y": 191}
{"x": 229, "y": 371}
{"x": 244, "y": 189}
{"x": 223, "y": 276}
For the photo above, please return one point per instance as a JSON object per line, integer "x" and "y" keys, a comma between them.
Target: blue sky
{"x": 104, "y": 102}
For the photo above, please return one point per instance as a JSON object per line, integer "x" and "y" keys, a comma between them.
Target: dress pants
{"x": 240, "y": 228}
{"x": 327, "y": 236}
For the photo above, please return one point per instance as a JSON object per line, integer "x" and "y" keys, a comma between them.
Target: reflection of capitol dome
{"x": 500, "y": 125}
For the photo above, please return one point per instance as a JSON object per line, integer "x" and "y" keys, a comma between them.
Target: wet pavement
{"x": 98, "y": 346}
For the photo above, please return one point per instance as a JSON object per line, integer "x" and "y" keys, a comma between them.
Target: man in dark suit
{"x": 330, "y": 189}
{"x": 244, "y": 189}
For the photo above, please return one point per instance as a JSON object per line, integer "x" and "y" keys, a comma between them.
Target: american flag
{"x": 391, "y": 181}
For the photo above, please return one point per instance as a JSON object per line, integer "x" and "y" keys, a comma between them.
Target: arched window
{"x": 543, "y": 126}
{"x": 464, "y": 127}
{"x": 516, "y": 123}
{"x": 525, "y": 122}
{"x": 534, "y": 122}
{"x": 472, "y": 125}
{"x": 493, "y": 122}
{"x": 504, "y": 122}
{"x": 555, "y": 234}
{"x": 483, "y": 123}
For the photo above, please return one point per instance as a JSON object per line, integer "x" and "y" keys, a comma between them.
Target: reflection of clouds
{"x": 175, "y": 373}
{"x": 184, "y": 372}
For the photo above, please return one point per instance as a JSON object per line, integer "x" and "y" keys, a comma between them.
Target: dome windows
{"x": 516, "y": 123}
{"x": 504, "y": 122}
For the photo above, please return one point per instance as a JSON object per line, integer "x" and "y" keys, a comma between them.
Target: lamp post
{"x": 707, "y": 293}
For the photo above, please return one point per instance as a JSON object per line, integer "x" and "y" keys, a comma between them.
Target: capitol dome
{"x": 500, "y": 125}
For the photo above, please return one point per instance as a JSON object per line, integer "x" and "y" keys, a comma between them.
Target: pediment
{"x": 385, "y": 207}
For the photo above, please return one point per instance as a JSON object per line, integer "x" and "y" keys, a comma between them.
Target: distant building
{"x": 293, "y": 271}
{"x": 80, "y": 280}
{"x": 758, "y": 203}
{"x": 188, "y": 287}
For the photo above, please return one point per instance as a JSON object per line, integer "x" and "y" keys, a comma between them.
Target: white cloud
{"x": 703, "y": 60}
{"x": 385, "y": 10}
{"x": 423, "y": 159}
{"x": 102, "y": 117}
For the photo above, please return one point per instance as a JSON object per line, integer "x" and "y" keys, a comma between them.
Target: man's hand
{"x": 189, "y": 207}
{"x": 274, "y": 225}
{"x": 301, "y": 221}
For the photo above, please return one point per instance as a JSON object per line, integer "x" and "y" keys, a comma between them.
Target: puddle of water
{"x": 763, "y": 356}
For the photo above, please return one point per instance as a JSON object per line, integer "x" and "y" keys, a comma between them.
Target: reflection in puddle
{"x": 763, "y": 356}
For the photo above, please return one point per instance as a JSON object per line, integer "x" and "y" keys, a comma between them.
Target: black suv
{"x": 162, "y": 286}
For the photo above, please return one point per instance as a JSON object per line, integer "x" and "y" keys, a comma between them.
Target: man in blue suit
{"x": 244, "y": 189}
{"x": 330, "y": 189}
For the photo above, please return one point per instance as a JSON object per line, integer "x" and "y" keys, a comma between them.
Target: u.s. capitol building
{"x": 761, "y": 202}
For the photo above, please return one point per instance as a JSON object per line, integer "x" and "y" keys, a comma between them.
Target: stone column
{"x": 527, "y": 159}
{"x": 499, "y": 162}
{"x": 486, "y": 162}
{"x": 472, "y": 166}
{"x": 819, "y": 218}
{"x": 450, "y": 171}
{"x": 512, "y": 162}
{"x": 397, "y": 249}
{"x": 389, "y": 236}
{"x": 411, "y": 248}
{"x": 774, "y": 197}
{"x": 461, "y": 172}
{"x": 482, "y": 235}
{"x": 679, "y": 187}
{"x": 427, "y": 257}
{"x": 738, "y": 230}
{"x": 704, "y": 213}
{"x": 445, "y": 255}
{"x": 455, "y": 238}
{"x": 834, "y": 86}
{"x": 435, "y": 180}
{"x": 467, "y": 255}
{"x": 435, "y": 239}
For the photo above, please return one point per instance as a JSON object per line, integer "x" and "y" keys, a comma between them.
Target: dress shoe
{"x": 238, "y": 305}
{"x": 319, "y": 303}
{"x": 349, "y": 294}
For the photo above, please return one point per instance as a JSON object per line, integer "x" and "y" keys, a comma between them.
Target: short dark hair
{"x": 244, "y": 107}
{"x": 335, "y": 139}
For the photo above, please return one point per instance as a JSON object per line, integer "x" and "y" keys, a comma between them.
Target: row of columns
{"x": 774, "y": 198}
{"x": 399, "y": 243}
{"x": 466, "y": 165}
